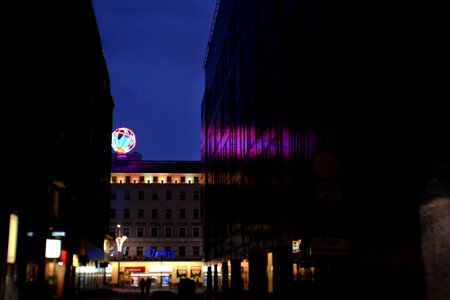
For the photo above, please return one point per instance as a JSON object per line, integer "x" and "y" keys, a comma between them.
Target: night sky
{"x": 154, "y": 50}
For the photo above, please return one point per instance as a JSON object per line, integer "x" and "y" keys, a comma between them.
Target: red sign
{"x": 135, "y": 269}
{"x": 63, "y": 256}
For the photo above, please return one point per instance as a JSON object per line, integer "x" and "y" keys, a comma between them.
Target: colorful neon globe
{"x": 123, "y": 140}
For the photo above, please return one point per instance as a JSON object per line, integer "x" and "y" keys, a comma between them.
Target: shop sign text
{"x": 150, "y": 252}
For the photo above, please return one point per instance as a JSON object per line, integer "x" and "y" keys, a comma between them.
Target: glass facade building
{"x": 311, "y": 169}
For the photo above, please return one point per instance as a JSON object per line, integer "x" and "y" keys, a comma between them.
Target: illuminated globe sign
{"x": 123, "y": 140}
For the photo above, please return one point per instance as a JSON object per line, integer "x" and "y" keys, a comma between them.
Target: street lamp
{"x": 120, "y": 239}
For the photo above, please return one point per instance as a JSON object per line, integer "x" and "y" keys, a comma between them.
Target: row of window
{"x": 155, "y": 179}
{"x": 181, "y": 251}
{"x": 155, "y": 232}
{"x": 155, "y": 195}
{"x": 168, "y": 215}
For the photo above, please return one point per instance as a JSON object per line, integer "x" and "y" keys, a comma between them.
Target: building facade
{"x": 60, "y": 53}
{"x": 156, "y": 204}
{"x": 307, "y": 190}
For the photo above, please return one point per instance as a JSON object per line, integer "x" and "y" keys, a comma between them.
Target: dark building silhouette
{"x": 66, "y": 137}
{"x": 316, "y": 163}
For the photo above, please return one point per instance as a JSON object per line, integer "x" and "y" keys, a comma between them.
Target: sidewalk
{"x": 135, "y": 293}
{"x": 167, "y": 293}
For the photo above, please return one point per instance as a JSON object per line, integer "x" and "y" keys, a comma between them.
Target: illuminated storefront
{"x": 162, "y": 274}
{"x": 221, "y": 275}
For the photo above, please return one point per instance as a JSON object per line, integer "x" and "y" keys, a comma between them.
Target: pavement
{"x": 155, "y": 294}
{"x": 135, "y": 294}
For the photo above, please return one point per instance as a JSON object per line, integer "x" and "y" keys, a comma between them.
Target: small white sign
{"x": 53, "y": 248}
{"x": 58, "y": 233}
{"x": 156, "y": 269}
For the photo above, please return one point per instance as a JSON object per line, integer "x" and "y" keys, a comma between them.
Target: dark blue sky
{"x": 154, "y": 50}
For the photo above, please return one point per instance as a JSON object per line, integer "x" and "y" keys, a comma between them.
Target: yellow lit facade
{"x": 156, "y": 178}
{"x": 157, "y": 206}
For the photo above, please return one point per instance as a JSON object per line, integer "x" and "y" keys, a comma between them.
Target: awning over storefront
{"x": 135, "y": 269}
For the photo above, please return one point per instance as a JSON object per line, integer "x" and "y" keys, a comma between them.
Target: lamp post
{"x": 120, "y": 239}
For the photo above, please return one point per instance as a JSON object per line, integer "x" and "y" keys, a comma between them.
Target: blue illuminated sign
{"x": 150, "y": 252}
{"x": 165, "y": 280}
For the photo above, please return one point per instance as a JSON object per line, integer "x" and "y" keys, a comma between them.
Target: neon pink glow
{"x": 123, "y": 140}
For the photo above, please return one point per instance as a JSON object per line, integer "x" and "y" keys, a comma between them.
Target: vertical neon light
{"x": 12, "y": 239}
